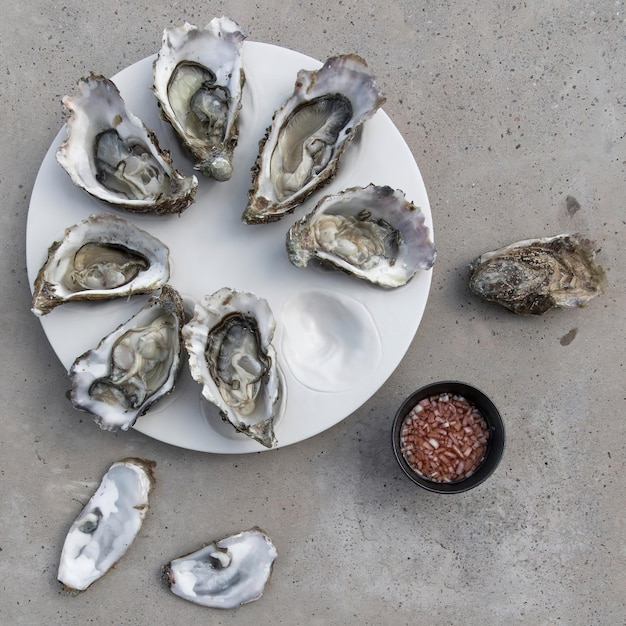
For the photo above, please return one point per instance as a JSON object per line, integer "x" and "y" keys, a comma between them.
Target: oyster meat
{"x": 224, "y": 574}
{"x": 108, "y": 524}
{"x": 229, "y": 342}
{"x": 198, "y": 82}
{"x": 100, "y": 258}
{"x": 112, "y": 155}
{"x": 532, "y": 276}
{"x": 134, "y": 366}
{"x": 370, "y": 232}
{"x": 308, "y": 135}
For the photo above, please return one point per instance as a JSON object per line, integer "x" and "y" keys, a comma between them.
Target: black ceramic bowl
{"x": 495, "y": 444}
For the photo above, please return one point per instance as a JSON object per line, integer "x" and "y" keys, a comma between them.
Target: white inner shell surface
{"x": 225, "y": 574}
{"x": 211, "y": 248}
{"x": 106, "y": 527}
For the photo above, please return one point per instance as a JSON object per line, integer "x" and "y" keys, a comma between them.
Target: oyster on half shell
{"x": 112, "y": 155}
{"x": 309, "y": 133}
{"x": 198, "y": 82}
{"x": 370, "y": 232}
{"x": 225, "y": 574}
{"x": 134, "y": 366}
{"x": 100, "y": 258}
{"x": 107, "y": 526}
{"x": 229, "y": 342}
{"x": 532, "y": 276}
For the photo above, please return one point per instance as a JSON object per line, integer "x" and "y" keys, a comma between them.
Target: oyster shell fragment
{"x": 532, "y": 276}
{"x": 198, "y": 82}
{"x": 133, "y": 367}
{"x": 370, "y": 232}
{"x": 112, "y": 155}
{"x": 229, "y": 342}
{"x": 108, "y": 524}
{"x": 308, "y": 135}
{"x": 100, "y": 258}
{"x": 224, "y": 574}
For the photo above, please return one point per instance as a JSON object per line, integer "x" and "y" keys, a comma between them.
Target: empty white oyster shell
{"x": 198, "y": 82}
{"x": 224, "y": 574}
{"x": 100, "y": 258}
{"x": 229, "y": 342}
{"x": 108, "y": 524}
{"x": 530, "y": 277}
{"x": 134, "y": 366}
{"x": 370, "y": 232}
{"x": 308, "y": 135}
{"x": 112, "y": 155}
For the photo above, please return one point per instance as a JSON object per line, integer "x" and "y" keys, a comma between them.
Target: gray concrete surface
{"x": 508, "y": 108}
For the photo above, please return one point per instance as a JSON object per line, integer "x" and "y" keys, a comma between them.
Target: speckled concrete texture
{"x": 516, "y": 115}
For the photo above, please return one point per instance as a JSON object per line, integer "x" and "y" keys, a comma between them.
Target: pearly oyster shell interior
{"x": 107, "y": 526}
{"x": 225, "y": 574}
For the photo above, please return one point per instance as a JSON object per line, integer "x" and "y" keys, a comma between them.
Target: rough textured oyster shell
{"x": 532, "y": 276}
{"x": 108, "y": 524}
{"x": 112, "y": 155}
{"x": 198, "y": 82}
{"x": 100, "y": 258}
{"x": 224, "y": 574}
{"x": 229, "y": 342}
{"x": 369, "y": 232}
{"x": 133, "y": 367}
{"x": 308, "y": 135}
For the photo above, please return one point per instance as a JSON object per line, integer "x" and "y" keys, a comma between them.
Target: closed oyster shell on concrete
{"x": 532, "y": 276}
{"x": 111, "y": 154}
{"x": 302, "y": 148}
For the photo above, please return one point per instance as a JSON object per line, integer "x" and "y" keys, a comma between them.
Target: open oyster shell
{"x": 112, "y": 155}
{"x": 100, "y": 258}
{"x": 198, "y": 82}
{"x": 108, "y": 524}
{"x": 308, "y": 135}
{"x": 229, "y": 342}
{"x": 224, "y": 574}
{"x": 532, "y": 276}
{"x": 133, "y": 367}
{"x": 370, "y": 232}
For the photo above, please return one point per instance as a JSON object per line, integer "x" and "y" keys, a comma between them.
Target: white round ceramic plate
{"x": 338, "y": 338}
